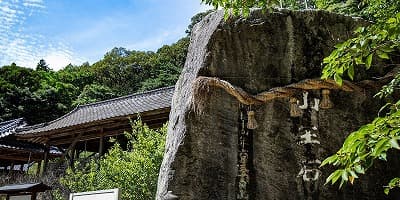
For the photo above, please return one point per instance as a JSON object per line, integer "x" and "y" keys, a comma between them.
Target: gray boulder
{"x": 258, "y": 53}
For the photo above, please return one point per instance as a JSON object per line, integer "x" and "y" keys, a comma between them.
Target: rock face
{"x": 263, "y": 51}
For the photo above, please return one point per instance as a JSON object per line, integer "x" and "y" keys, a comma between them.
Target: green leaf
{"x": 383, "y": 156}
{"x": 383, "y": 55}
{"x": 338, "y": 79}
{"x": 380, "y": 147}
{"x": 394, "y": 143}
{"x": 359, "y": 169}
{"x": 345, "y": 175}
{"x": 358, "y": 60}
{"x": 334, "y": 176}
{"x": 368, "y": 62}
{"x": 329, "y": 160}
{"x": 353, "y": 174}
{"x": 350, "y": 72}
{"x": 386, "y": 190}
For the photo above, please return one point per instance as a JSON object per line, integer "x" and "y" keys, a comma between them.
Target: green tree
{"x": 38, "y": 96}
{"x": 93, "y": 93}
{"x": 237, "y": 7}
{"x": 42, "y": 66}
{"x": 196, "y": 19}
{"x": 134, "y": 171}
{"x": 167, "y": 65}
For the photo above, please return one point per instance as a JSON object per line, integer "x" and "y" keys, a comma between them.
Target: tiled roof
{"x": 118, "y": 107}
{"x": 30, "y": 187}
{"x": 25, "y": 146}
{"x": 17, "y": 145}
{"x": 8, "y": 127}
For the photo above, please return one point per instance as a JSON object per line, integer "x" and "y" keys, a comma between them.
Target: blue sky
{"x": 75, "y": 31}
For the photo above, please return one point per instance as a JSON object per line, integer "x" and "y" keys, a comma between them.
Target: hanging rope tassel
{"x": 326, "y": 103}
{"x": 251, "y": 120}
{"x": 295, "y": 111}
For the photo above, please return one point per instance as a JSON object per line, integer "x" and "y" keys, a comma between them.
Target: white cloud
{"x": 34, "y": 3}
{"x": 24, "y": 48}
{"x": 58, "y": 59}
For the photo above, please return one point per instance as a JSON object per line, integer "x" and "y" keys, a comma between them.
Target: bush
{"x": 134, "y": 171}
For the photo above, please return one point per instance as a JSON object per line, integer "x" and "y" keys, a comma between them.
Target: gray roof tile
{"x": 8, "y": 127}
{"x": 122, "y": 106}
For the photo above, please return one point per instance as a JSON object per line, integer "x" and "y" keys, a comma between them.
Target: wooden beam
{"x": 72, "y": 146}
{"x": 100, "y": 122}
{"x": 110, "y": 125}
{"x": 108, "y": 131}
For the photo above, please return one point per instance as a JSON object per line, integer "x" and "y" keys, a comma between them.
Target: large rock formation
{"x": 263, "y": 51}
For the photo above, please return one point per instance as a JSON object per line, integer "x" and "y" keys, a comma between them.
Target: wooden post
{"x": 11, "y": 167}
{"x": 72, "y": 146}
{"x": 72, "y": 158}
{"x": 46, "y": 158}
{"x": 39, "y": 165}
{"x": 101, "y": 145}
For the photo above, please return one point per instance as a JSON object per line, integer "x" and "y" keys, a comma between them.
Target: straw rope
{"x": 202, "y": 84}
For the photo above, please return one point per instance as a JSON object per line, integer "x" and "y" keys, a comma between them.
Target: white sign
{"x": 22, "y": 197}
{"x": 96, "y": 195}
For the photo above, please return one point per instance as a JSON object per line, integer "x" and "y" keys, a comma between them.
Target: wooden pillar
{"x": 39, "y": 165}
{"x": 11, "y": 167}
{"x": 46, "y": 158}
{"x": 72, "y": 158}
{"x": 72, "y": 146}
{"x": 101, "y": 143}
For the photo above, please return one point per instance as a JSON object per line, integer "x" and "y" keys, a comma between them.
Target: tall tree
{"x": 196, "y": 19}
{"x": 42, "y": 66}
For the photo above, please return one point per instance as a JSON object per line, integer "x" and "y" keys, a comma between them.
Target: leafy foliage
{"x": 237, "y": 7}
{"x": 380, "y": 40}
{"x": 134, "y": 171}
{"x": 42, "y": 65}
{"x": 242, "y": 7}
{"x": 25, "y": 92}
{"x": 362, "y": 147}
{"x": 196, "y": 19}
{"x": 93, "y": 93}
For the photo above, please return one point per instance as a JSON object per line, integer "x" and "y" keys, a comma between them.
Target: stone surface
{"x": 256, "y": 54}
